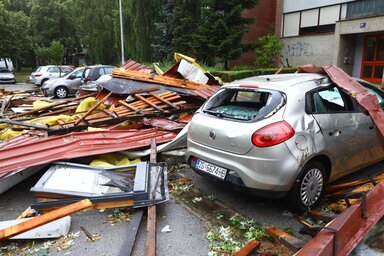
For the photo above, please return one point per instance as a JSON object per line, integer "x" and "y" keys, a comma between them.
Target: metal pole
{"x": 121, "y": 34}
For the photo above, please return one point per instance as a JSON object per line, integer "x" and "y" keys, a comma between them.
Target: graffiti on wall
{"x": 298, "y": 49}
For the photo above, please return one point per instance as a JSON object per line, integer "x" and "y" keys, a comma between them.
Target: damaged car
{"x": 283, "y": 136}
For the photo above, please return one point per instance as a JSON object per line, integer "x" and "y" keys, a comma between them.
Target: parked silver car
{"x": 7, "y": 76}
{"x": 43, "y": 73}
{"x": 282, "y": 135}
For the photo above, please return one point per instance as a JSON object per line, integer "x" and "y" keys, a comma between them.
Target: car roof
{"x": 279, "y": 81}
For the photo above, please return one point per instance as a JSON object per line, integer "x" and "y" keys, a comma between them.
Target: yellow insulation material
{"x": 40, "y": 103}
{"x": 110, "y": 160}
{"x": 88, "y": 103}
{"x": 52, "y": 120}
{"x": 9, "y": 133}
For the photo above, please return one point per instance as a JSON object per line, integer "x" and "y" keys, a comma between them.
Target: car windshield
{"x": 243, "y": 104}
{"x": 76, "y": 73}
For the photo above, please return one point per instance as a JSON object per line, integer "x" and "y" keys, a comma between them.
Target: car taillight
{"x": 37, "y": 75}
{"x": 272, "y": 134}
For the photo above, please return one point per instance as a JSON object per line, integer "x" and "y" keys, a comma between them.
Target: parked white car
{"x": 7, "y": 76}
{"x": 43, "y": 73}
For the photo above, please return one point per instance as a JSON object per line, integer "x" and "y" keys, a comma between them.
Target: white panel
{"x": 343, "y": 14}
{"x": 299, "y": 5}
{"x": 329, "y": 15}
{"x": 291, "y": 24}
{"x": 309, "y": 18}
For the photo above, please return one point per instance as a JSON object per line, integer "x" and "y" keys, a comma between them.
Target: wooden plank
{"x": 248, "y": 248}
{"x": 139, "y": 97}
{"x": 24, "y": 213}
{"x": 130, "y": 107}
{"x": 44, "y": 219}
{"x": 151, "y": 231}
{"x": 92, "y": 109}
{"x": 286, "y": 239}
{"x": 163, "y": 100}
{"x": 52, "y": 105}
{"x": 130, "y": 238}
{"x": 26, "y": 124}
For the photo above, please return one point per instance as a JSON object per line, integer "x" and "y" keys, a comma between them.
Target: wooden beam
{"x": 44, "y": 219}
{"x": 52, "y": 105}
{"x": 139, "y": 97}
{"x": 92, "y": 109}
{"x": 286, "y": 239}
{"x": 163, "y": 100}
{"x": 248, "y": 248}
{"x": 130, "y": 239}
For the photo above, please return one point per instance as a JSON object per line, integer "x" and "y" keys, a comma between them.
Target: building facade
{"x": 349, "y": 34}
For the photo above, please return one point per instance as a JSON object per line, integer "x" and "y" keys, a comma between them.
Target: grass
{"x": 23, "y": 75}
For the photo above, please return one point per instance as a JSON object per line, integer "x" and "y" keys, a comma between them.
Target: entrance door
{"x": 373, "y": 59}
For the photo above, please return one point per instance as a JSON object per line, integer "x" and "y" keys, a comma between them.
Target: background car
{"x": 282, "y": 135}
{"x": 69, "y": 84}
{"x": 7, "y": 76}
{"x": 43, "y": 73}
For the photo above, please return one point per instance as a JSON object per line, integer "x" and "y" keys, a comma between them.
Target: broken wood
{"x": 139, "y": 97}
{"x": 248, "y": 248}
{"x": 86, "y": 232}
{"x": 163, "y": 100}
{"x": 25, "y": 213}
{"x": 26, "y": 124}
{"x": 45, "y": 218}
{"x": 52, "y": 105}
{"x": 132, "y": 230}
{"x": 286, "y": 239}
{"x": 92, "y": 109}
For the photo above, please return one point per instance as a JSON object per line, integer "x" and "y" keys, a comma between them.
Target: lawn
{"x": 23, "y": 75}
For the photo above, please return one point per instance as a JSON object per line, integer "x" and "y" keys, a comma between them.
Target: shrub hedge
{"x": 229, "y": 76}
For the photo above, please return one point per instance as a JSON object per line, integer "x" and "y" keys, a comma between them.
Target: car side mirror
{"x": 71, "y": 77}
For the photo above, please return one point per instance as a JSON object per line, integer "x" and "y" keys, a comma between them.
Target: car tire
{"x": 308, "y": 188}
{"x": 61, "y": 92}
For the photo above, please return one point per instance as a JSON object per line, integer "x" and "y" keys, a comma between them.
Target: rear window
{"x": 244, "y": 104}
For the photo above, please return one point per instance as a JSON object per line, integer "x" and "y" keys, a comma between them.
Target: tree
{"x": 53, "y": 54}
{"x": 221, "y": 29}
{"x": 53, "y": 20}
{"x": 267, "y": 51}
{"x": 163, "y": 33}
{"x": 15, "y": 39}
{"x": 186, "y": 19}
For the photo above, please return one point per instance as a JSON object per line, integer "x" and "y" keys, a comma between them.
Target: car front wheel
{"x": 309, "y": 187}
{"x": 61, "y": 92}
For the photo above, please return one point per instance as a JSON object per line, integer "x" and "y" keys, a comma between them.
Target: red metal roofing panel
{"x": 206, "y": 92}
{"x": 133, "y": 65}
{"x": 350, "y": 227}
{"x": 75, "y": 145}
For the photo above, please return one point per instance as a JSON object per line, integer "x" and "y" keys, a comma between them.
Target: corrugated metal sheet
{"x": 32, "y": 151}
{"x": 133, "y": 65}
{"x": 207, "y": 92}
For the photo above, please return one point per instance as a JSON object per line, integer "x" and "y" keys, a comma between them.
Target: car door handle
{"x": 334, "y": 133}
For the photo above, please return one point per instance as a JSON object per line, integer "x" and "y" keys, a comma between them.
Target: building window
{"x": 312, "y": 21}
{"x": 365, "y": 8}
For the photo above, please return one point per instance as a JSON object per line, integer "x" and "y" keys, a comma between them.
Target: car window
{"x": 108, "y": 70}
{"x": 330, "y": 100}
{"x": 101, "y": 71}
{"x": 53, "y": 70}
{"x": 243, "y": 105}
{"x": 65, "y": 69}
{"x": 86, "y": 72}
{"x": 78, "y": 74}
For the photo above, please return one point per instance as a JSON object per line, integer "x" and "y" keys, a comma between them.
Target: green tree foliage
{"x": 221, "y": 29}
{"x": 186, "y": 20}
{"x": 163, "y": 33}
{"x": 53, "y": 54}
{"x": 95, "y": 23}
{"x": 267, "y": 51}
{"x": 14, "y": 31}
{"x": 53, "y": 20}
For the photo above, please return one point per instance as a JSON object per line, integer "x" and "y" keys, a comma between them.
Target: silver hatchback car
{"x": 282, "y": 135}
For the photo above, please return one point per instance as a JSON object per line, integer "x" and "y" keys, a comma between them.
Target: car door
{"x": 344, "y": 128}
{"x": 53, "y": 72}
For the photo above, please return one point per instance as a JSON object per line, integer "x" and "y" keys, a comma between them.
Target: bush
{"x": 229, "y": 76}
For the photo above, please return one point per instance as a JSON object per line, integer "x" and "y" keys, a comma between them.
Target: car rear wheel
{"x": 309, "y": 187}
{"x": 61, "y": 92}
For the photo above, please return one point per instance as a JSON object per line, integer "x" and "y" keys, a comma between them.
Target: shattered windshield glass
{"x": 242, "y": 104}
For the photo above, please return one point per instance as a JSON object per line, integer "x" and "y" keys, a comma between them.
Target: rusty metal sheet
{"x": 164, "y": 124}
{"x": 342, "y": 235}
{"x": 73, "y": 145}
{"x": 207, "y": 92}
{"x": 133, "y": 65}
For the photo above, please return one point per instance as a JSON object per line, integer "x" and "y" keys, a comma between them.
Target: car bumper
{"x": 275, "y": 175}
{"x": 8, "y": 81}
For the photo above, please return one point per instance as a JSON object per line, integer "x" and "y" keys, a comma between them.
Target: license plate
{"x": 211, "y": 169}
